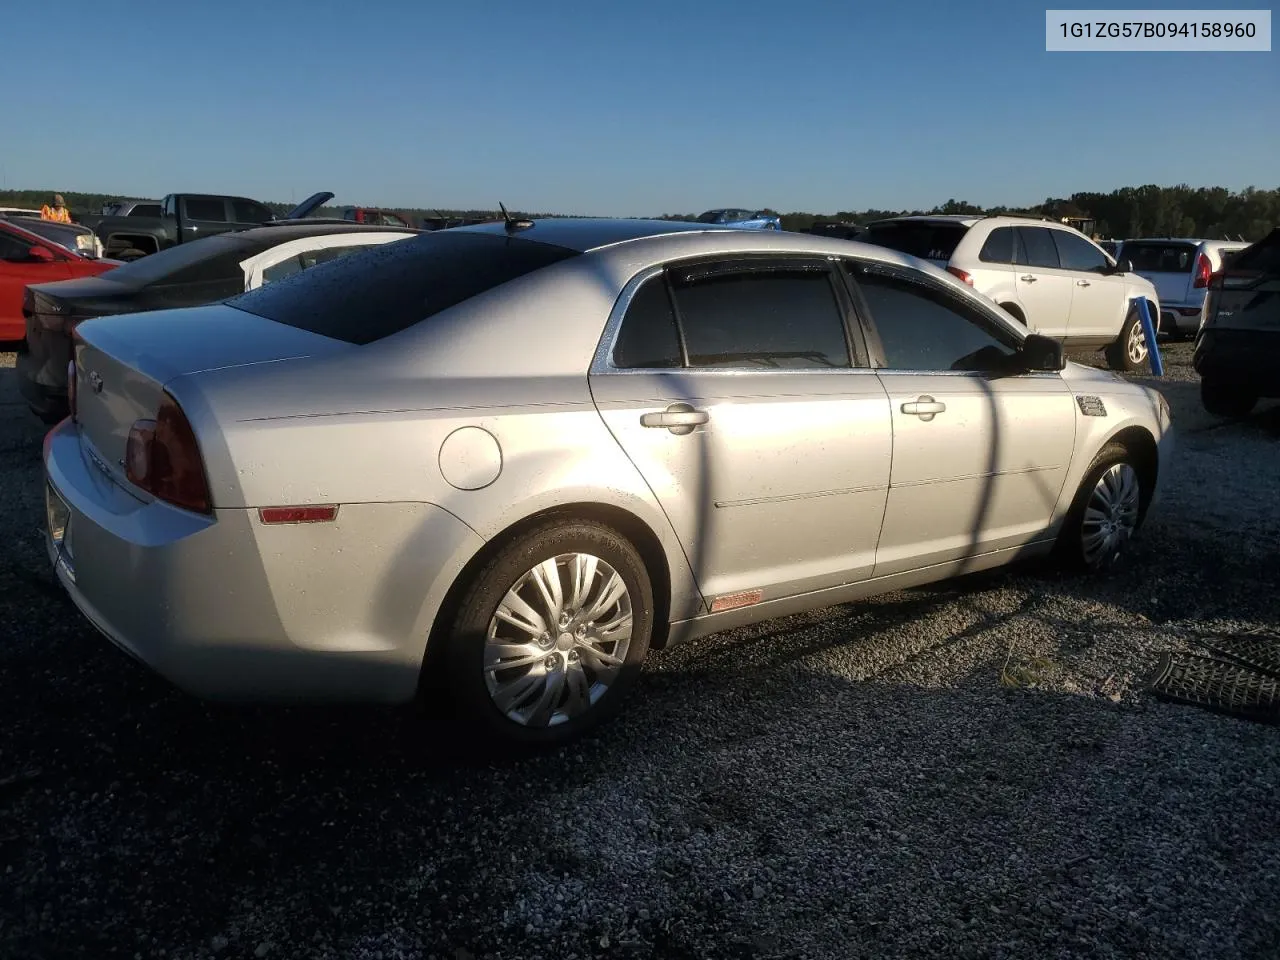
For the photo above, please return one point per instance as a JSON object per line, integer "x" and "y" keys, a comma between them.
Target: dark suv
{"x": 1238, "y": 345}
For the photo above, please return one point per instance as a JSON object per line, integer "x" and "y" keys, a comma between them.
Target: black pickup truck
{"x": 188, "y": 216}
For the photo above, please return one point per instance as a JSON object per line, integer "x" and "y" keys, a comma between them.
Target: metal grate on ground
{"x": 1217, "y": 685}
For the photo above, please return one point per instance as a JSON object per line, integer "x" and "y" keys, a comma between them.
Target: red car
{"x": 27, "y": 258}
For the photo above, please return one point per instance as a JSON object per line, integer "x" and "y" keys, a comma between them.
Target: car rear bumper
{"x": 1250, "y": 359}
{"x": 1181, "y": 318}
{"x": 229, "y": 608}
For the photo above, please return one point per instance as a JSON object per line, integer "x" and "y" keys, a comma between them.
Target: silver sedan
{"x": 514, "y": 458}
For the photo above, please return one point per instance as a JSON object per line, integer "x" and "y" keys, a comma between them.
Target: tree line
{"x": 1152, "y": 211}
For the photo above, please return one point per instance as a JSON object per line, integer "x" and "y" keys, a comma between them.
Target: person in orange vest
{"x": 57, "y": 212}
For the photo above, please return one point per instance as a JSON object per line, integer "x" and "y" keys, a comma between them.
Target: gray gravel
{"x": 850, "y": 783}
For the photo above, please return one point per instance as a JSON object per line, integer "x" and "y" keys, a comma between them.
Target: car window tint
{"x": 1160, "y": 257}
{"x": 922, "y": 327}
{"x": 245, "y": 211}
{"x": 648, "y": 338}
{"x": 1077, "y": 253}
{"x": 206, "y": 209}
{"x": 926, "y": 239}
{"x": 386, "y": 288}
{"x": 760, "y": 318}
{"x": 999, "y": 246}
{"x": 285, "y": 268}
{"x": 1038, "y": 246}
{"x": 14, "y": 249}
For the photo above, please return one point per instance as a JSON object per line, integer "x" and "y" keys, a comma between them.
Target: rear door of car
{"x": 742, "y": 394}
{"x": 1168, "y": 264}
{"x": 1044, "y": 288}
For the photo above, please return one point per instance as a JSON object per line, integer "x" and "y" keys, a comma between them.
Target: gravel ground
{"x": 850, "y": 783}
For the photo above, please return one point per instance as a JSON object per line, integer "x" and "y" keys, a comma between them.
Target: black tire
{"x": 1226, "y": 399}
{"x": 1070, "y": 548}
{"x": 462, "y": 662}
{"x": 1117, "y": 353}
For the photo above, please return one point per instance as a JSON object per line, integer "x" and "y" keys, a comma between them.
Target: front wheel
{"x": 1128, "y": 353}
{"x": 550, "y": 635}
{"x": 1226, "y": 399}
{"x": 1107, "y": 510}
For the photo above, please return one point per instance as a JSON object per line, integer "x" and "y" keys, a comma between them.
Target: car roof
{"x": 585, "y": 234}
{"x": 297, "y": 229}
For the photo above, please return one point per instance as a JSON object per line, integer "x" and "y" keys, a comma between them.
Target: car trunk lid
{"x": 123, "y": 363}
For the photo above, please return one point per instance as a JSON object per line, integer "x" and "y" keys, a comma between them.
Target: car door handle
{"x": 1027, "y": 278}
{"x": 1082, "y": 283}
{"x": 926, "y": 408}
{"x": 679, "y": 418}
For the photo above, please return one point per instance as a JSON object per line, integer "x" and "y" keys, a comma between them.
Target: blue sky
{"x": 612, "y": 107}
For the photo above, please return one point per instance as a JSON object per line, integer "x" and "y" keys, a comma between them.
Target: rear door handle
{"x": 1082, "y": 283}
{"x": 926, "y": 408}
{"x": 679, "y": 418}
{"x": 1027, "y": 278}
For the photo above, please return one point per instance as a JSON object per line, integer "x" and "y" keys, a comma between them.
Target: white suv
{"x": 1180, "y": 269}
{"x": 1048, "y": 276}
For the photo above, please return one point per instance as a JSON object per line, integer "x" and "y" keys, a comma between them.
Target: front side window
{"x": 923, "y": 327}
{"x": 14, "y": 249}
{"x": 1077, "y": 253}
{"x": 1037, "y": 248}
{"x": 756, "y": 317}
{"x": 246, "y": 211}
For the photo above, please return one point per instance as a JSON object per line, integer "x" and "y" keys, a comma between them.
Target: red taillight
{"x": 1203, "y": 271}
{"x": 957, "y": 272}
{"x": 163, "y": 458}
{"x": 71, "y": 388}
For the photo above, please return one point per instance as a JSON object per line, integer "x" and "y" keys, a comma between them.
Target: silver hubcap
{"x": 558, "y": 640}
{"x": 1111, "y": 515}
{"x": 1137, "y": 347}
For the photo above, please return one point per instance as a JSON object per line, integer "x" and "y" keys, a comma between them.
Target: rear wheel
{"x": 550, "y": 635}
{"x": 1107, "y": 511}
{"x": 1226, "y": 399}
{"x": 1129, "y": 350}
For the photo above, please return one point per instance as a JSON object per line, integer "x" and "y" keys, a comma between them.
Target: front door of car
{"x": 980, "y": 450}
{"x": 735, "y": 388}
{"x": 1098, "y": 305}
{"x": 1044, "y": 289}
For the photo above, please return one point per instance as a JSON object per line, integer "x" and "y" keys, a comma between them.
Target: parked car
{"x": 840, "y": 229}
{"x": 18, "y": 212}
{"x": 185, "y": 217}
{"x": 1046, "y": 274}
{"x": 742, "y": 219}
{"x": 423, "y": 491}
{"x": 71, "y": 236}
{"x": 27, "y": 257}
{"x": 1237, "y": 352}
{"x": 195, "y": 273}
{"x": 1180, "y": 270}
{"x": 382, "y": 218}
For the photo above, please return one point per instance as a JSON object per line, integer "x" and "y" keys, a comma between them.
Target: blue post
{"x": 1149, "y": 331}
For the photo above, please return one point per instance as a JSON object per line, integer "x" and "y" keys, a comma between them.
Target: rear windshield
{"x": 917, "y": 238}
{"x": 1160, "y": 257}
{"x": 1263, "y": 257}
{"x": 208, "y": 258}
{"x": 372, "y": 294}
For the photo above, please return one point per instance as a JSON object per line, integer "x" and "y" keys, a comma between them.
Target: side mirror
{"x": 1040, "y": 353}
{"x": 41, "y": 255}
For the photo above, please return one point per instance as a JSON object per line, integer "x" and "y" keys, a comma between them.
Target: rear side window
{"x": 928, "y": 240}
{"x": 1038, "y": 248}
{"x": 1077, "y": 253}
{"x": 999, "y": 246}
{"x": 197, "y": 208}
{"x": 366, "y": 296}
{"x": 648, "y": 338}
{"x": 786, "y": 317}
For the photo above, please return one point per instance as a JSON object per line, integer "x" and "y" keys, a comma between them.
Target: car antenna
{"x": 511, "y": 222}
